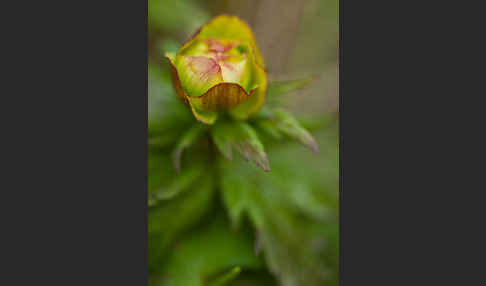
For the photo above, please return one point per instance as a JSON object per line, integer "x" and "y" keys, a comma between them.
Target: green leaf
{"x": 164, "y": 182}
{"x": 241, "y": 136}
{"x": 280, "y": 122}
{"x": 254, "y": 279}
{"x": 293, "y": 210}
{"x": 168, "y": 46}
{"x": 179, "y": 184}
{"x": 167, "y": 115}
{"x": 181, "y": 16}
{"x": 160, "y": 170}
{"x": 277, "y": 88}
{"x": 225, "y": 277}
{"x": 168, "y": 220}
{"x": 187, "y": 140}
{"x": 211, "y": 249}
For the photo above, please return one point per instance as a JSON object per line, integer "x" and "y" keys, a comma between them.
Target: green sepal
{"x": 180, "y": 183}
{"x": 278, "y": 123}
{"x": 241, "y": 136}
{"x": 187, "y": 140}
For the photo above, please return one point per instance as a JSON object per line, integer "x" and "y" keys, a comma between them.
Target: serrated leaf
{"x": 239, "y": 186}
{"x": 241, "y": 136}
{"x": 299, "y": 245}
{"x": 187, "y": 140}
{"x": 280, "y": 122}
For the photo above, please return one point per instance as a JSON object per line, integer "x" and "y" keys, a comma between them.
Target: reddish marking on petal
{"x": 219, "y": 56}
{"x": 217, "y": 46}
{"x": 205, "y": 68}
{"x": 229, "y": 66}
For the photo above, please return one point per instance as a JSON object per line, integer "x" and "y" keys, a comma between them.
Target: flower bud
{"x": 220, "y": 70}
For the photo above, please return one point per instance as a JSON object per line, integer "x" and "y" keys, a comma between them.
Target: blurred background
{"x": 298, "y": 39}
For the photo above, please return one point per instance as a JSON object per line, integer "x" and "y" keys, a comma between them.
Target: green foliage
{"x": 167, "y": 117}
{"x": 277, "y": 90}
{"x": 226, "y": 277}
{"x": 209, "y": 255}
{"x": 293, "y": 211}
{"x": 169, "y": 219}
{"x": 215, "y": 219}
{"x": 175, "y": 15}
{"x": 254, "y": 279}
{"x": 242, "y": 137}
{"x": 187, "y": 140}
{"x": 278, "y": 123}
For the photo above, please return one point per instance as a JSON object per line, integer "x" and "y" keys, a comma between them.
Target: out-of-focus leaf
{"x": 254, "y": 279}
{"x": 207, "y": 251}
{"x": 241, "y": 136}
{"x": 184, "y": 16}
{"x": 279, "y": 122}
{"x": 170, "y": 218}
{"x": 160, "y": 170}
{"x": 187, "y": 140}
{"x": 293, "y": 208}
{"x": 169, "y": 46}
{"x": 167, "y": 115}
{"x": 225, "y": 277}
{"x": 163, "y": 181}
{"x": 277, "y": 88}
{"x": 239, "y": 186}
{"x": 180, "y": 183}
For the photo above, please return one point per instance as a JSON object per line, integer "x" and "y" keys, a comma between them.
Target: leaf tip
{"x": 176, "y": 159}
{"x": 263, "y": 163}
{"x": 312, "y": 144}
